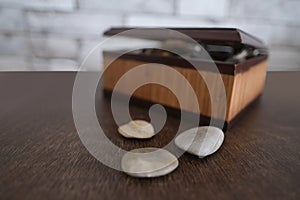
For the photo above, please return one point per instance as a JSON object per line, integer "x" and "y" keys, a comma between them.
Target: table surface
{"x": 42, "y": 156}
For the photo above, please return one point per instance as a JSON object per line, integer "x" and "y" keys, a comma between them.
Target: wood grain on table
{"x": 42, "y": 156}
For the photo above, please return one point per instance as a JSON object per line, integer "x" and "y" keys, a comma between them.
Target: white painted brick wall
{"x": 57, "y": 34}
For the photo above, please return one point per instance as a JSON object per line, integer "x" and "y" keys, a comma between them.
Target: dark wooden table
{"x": 42, "y": 156}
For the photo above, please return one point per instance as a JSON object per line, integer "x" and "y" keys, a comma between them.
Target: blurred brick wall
{"x": 57, "y": 34}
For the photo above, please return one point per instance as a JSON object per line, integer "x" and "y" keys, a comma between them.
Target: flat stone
{"x": 200, "y": 141}
{"x": 148, "y": 162}
{"x": 137, "y": 129}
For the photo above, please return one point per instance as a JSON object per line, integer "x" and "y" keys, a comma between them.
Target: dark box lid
{"x": 227, "y": 36}
{"x": 230, "y": 35}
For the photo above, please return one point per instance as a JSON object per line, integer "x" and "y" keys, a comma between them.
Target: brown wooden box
{"x": 240, "y": 58}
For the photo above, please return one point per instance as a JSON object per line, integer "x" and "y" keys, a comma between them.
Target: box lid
{"x": 222, "y": 35}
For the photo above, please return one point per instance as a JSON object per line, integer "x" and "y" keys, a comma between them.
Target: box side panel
{"x": 246, "y": 87}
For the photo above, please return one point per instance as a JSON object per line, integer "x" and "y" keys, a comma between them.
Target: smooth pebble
{"x": 148, "y": 162}
{"x": 137, "y": 129}
{"x": 200, "y": 141}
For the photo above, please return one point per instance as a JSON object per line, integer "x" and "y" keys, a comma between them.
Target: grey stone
{"x": 148, "y": 162}
{"x": 137, "y": 129}
{"x": 200, "y": 141}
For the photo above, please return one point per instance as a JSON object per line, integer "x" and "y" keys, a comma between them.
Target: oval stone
{"x": 148, "y": 162}
{"x": 137, "y": 129}
{"x": 200, "y": 141}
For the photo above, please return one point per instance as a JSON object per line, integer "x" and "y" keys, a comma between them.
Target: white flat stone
{"x": 137, "y": 129}
{"x": 148, "y": 162}
{"x": 200, "y": 141}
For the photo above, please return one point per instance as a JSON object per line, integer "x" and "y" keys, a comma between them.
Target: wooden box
{"x": 240, "y": 58}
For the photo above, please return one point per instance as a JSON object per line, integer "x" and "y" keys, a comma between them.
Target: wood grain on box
{"x": 240, "y": 89}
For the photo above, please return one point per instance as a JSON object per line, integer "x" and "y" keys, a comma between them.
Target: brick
{"x": 11, "y": 20}
{"x": 128, "y": 6}
{"x": 214, "y": 9}
{"x": 284, "y": 58}
{"x": 54, "y": 64}
{"x": 54, "y": 47}
{"x": 41, "y": 5}
{"x": 14, "y": 45}
{"x": 14, "y": 63}
{"x": 276, "y": 10}
{"x": 79, "y": 24}
{"x": 285, "y": 35}
{"x": 167, "y": 21}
